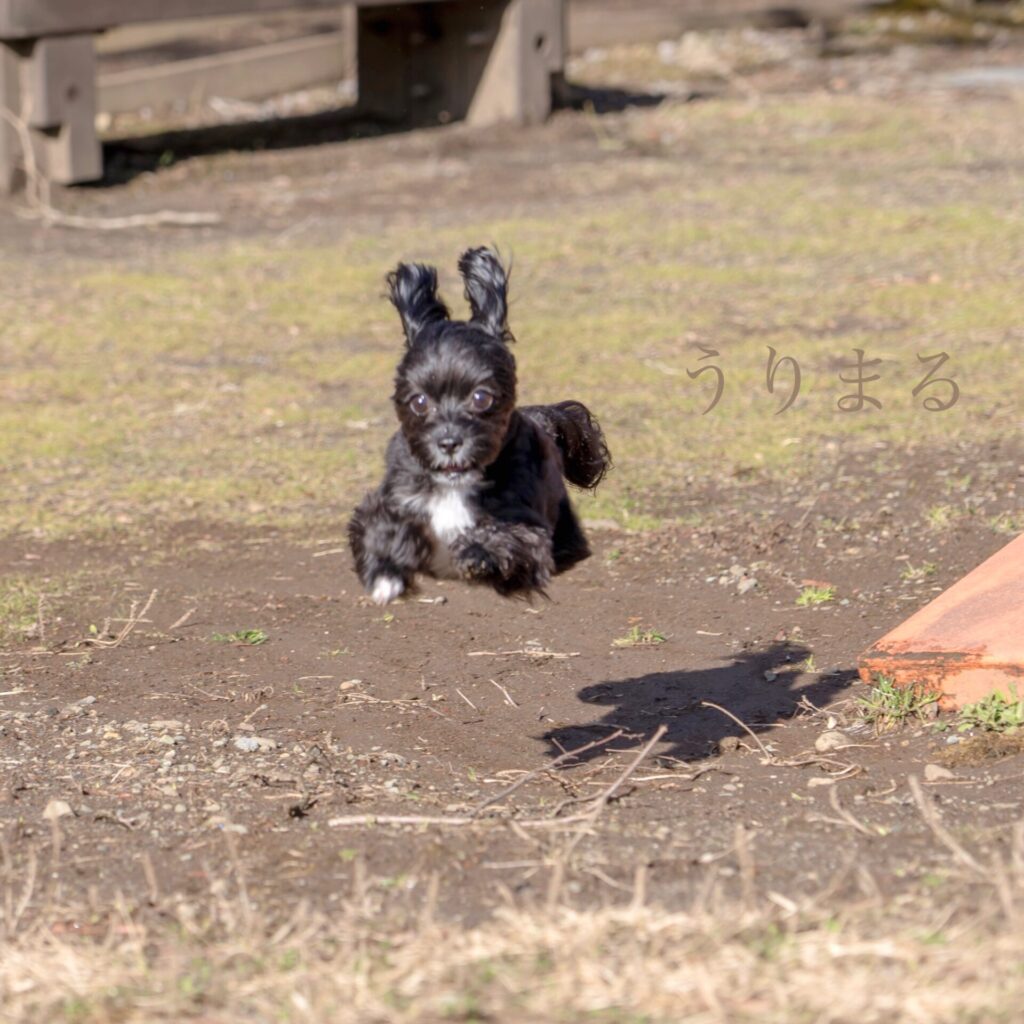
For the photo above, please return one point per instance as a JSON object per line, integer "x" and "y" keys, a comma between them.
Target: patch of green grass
{"x": 889, "y": 705}
{"x": 768, "y": 943}
{"x": 940, "y": 517}
{"x": 289, "y": 959}
{"x": 19, "y": 604}
{"x": 958, "y": 483}
{"x": 995, "y": 713}
{"x": 1008, "y": 523}
{"x": 813, "y": 596}
{"x": 248, "y": 637}
{"x": 917, "y": 573}
{"x": 637, "y": 637}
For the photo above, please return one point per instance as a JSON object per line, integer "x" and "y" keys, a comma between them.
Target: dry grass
{"x": 251, "y": 388}
{"x": 983, "y": 748}
{"x": 826, "y": 959}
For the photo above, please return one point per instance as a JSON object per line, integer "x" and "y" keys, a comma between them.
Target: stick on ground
{"x": 561, "y": 759}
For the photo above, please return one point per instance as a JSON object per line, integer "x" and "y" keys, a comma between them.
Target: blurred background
{"x": 816, "y": 179}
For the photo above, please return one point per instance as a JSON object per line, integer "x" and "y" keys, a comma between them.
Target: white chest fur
{"x": 450, "y": 513}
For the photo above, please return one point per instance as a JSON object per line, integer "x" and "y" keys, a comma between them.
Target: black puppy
{"x": 473, "y": 487}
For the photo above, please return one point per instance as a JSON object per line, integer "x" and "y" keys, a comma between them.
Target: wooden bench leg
{"x": 487, "y": 61}
{"x": 526, "y": 60}
{"x": 10, "y": 104}
{"x": 50, "y": 86}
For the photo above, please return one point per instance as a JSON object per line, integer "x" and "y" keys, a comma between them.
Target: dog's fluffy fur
{"x": 473, "y": 486}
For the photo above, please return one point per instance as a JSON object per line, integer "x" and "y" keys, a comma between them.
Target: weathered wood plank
{"x": 250, "y": 74}
{"x": 598, "y": 22}
{"x": 50, "y": 87}
{"x": 418, "y": 61}
{"x": 28, "y": 19}
{"x": 10, "y": 100}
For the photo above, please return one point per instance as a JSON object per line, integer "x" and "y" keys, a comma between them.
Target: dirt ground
{"x": 150, "y": 757}
{"x": 433, "y": 705}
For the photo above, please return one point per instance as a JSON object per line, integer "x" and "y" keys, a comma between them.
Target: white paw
{"x": 385, "y": 589}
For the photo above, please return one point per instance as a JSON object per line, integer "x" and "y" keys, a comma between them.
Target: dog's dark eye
{"x": 419, "y": 404}
{"x": 481, "y": 400}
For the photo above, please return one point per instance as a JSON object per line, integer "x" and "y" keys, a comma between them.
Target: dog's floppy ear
{"x": 412, "y": 288}
{"x": 486, "y": 291}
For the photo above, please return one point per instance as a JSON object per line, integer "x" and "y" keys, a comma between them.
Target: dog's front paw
{"x": 477, "y": 563}
{"x": 385, "y": 589}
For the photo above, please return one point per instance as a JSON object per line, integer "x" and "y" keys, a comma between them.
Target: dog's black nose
{"x": 449, "y": 444}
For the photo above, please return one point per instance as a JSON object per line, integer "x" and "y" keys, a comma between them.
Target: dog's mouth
{"x": 453, "y": 473}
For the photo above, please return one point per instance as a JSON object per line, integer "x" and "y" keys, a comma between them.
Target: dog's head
{"x": 455, "y": 388}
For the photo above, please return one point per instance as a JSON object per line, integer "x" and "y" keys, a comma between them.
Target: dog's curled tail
{"x": 585, "y": 455}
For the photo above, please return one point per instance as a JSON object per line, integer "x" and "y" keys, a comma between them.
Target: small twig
{"x": 37, "y": 188}
{"x": 843, "y": 769}
{"x": 587, "y": 820}
{"x": 400, "y": 703}
{"x": 833, "y": 799}
{"x": 37, "y": 192}
{"x": 934, "y": 822}
{"x": 26, "y": 893}
{"x": 529, "y": 776}
{"x": 528, "y": 652}
{"x": 151, "y": 880}
{"x": 181, "y": 622}
{"x": 743, "y": 725}
{"x": 602, "y": 876}
{"x": 810, "y": 508}
{"x": 236, "y": 863}
{"x": 512, "y": 865}
{"x": 745, "y": 861}
{"x": 115, "y": 818}
{"x": 466, "y": 699}
{"x": 158, "y": 219}
{"x": 459, "y": 820}
{"x": 508, "y": 696}
{"x": 207, "y": 694}
{"x": 252, "y": 714}
{"x": 606, "y": 796}
{"x": 349, "y": 820}
{"x": 134, "y": 618}
{"x": 41, "y": 620}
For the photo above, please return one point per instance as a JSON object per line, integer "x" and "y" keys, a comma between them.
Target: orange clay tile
{"x": 969, "y": 642}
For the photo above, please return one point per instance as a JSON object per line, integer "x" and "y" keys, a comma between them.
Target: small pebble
{"x": 831, "y": 740}
{"x": 253, "y": 743}
{"x": 56, "y": 809}
{"x": 936, "y": 773}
